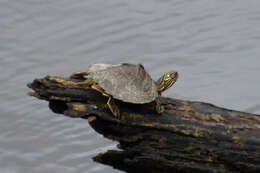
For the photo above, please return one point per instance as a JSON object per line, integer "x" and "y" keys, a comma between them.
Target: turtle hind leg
{"x": 87, "y": 83}
{"x": 110, "y": 103}
{"x": 158, "y": 106}
{"x": 79, "y": 74}
{"x": 113, "y": 107}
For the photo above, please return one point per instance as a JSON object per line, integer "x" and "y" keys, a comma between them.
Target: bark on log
{"x": 187, "y": 137}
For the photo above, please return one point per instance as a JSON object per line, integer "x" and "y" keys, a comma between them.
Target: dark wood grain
{"x": 186, "y": 137}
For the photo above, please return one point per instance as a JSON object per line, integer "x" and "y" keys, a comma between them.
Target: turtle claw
{"x": 116, "y": 112}
{"x": 113, "y": 107}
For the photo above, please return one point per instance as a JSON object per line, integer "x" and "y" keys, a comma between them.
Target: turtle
{"x": 125, "y": 82}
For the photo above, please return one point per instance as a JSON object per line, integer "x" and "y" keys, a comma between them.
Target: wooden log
{"x": 186, "y": 137}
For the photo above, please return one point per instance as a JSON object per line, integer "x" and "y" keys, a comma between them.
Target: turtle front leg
{"x": 158, "y": 106}
{"x": 113, "y": 107}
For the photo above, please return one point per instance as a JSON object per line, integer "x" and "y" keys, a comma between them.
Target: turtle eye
{"x": 168, "y": 75}
{"x": 174, "y": 75}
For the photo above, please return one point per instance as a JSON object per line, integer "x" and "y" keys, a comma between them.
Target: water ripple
{"x": 213, "y": 45}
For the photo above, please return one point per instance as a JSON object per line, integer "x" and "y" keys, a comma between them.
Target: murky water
{"x": 213, "y": 44}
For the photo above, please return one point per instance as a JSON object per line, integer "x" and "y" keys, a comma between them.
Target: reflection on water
{"x": 213, "y": 45}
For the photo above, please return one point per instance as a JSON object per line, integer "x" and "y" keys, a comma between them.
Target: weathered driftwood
{"x": 187, "y": 137}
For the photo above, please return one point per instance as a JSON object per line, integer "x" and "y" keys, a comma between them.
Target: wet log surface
{"x": 186, "y": 137}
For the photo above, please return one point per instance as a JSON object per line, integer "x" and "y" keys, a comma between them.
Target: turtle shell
{"x": 126, "y": 82}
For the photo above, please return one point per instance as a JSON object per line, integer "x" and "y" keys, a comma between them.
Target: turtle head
{"x": 166, "y": 81}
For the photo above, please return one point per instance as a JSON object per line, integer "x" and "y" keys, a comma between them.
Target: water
{"x": 214, "y": 45}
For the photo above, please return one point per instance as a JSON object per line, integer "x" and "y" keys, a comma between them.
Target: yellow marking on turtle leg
{"x": 113, "y": 107}
{"x": 82, "y": 73}
{"x": 159, "y": 108}
{"x": 99, "y": 89}
{"x": 88, "y": 83}
{"x": 110, "y": 103}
